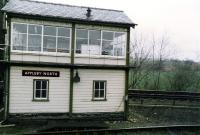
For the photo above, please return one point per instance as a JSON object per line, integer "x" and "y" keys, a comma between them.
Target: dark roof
{"x": 28, "y": 7}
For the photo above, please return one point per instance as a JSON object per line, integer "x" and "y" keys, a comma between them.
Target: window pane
{"x": 94, "y": 41}
{"x": 108, "y": 35}
{"x": 107, "y": 48}
{"x": 96, "y": 93}
{"x": 44, "y": 93}
{"x": 101, "y": 93}
{"x": 82, "y": 33}
{"x": 34, "y": 43}
{"x": 48, "y": 30}
{"x": 34, "y": 29}
{"x": 118, "y": 52}
{"x": 95, "y": 37}
{"x": 49, "y": 44}
{"x": 94, "y": 49}
{"x": 38, "y": 84}
{"x": 37, "y": 93}
{"x": 44, "y": 84}
{"x": 120, "y": 37}
{"x": 63, "y": 45}
{"x": 19, "y": 28}
{"x": 102, "y": 85}
{"x": 96, "y": 85}
{"x": 64, "y": 32}
{"x": 19, "y": 41}
{"x": 82, "y": 46}
{"x": 119, "y": 44}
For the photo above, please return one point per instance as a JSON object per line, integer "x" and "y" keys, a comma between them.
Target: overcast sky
{"x": 180, "y": 19}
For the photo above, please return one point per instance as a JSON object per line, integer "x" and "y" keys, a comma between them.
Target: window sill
{"x": 99, "y": 100}
{"x": 40, "y": 53}
{"x": 40, "y": 100}
{"x": 99, "y": 56}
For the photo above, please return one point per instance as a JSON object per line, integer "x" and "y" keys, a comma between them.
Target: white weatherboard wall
{"x": 99, "y": 60}
{"x": 24, "y": 56}
{"x": 21, "y": 92}
{"x": 82, "y": 95}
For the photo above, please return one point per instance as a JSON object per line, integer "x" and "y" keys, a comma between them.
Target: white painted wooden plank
{"x": 21, "y": 92}
{"x": 100, "y": 60}
{"x": 39, "y": 58}
{"x": 82, "y": 100}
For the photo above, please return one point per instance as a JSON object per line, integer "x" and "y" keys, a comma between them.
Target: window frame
{"x": 113, "y": 46}
{"x": 34, "y": 90}
{"x": 11, "y": 38}
{"x": 27, "y": 46}
{"x": 93, "y": 91}
{"x": 42, "y": 38}
{"x": 100, "y": 55}
{"x": 57, "y": 38}
{"x": 79, "y": 39}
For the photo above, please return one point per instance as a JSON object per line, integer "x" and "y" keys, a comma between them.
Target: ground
{"x": 141, "y": 115}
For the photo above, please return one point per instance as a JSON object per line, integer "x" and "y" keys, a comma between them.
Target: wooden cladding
{"x": 40, "y": 73}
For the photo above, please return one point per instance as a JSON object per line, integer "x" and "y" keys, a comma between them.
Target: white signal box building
{"x": 65, "y": 61}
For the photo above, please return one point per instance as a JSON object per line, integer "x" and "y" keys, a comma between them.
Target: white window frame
{"x": 34, "y": 90}
{"x": 34, "y": 34}
{"x": 55, "y": 36}
{"x": 105, "y": 89}
{"x": 81, "y": 38}
{"x": 107, "y": 40}
{"x": 100, "y": 55}
{"x": 20, "y": 33}
{"x": 125, "y": 44}
{"x": 70, "y": 36}
{"x": 41, "y": 52}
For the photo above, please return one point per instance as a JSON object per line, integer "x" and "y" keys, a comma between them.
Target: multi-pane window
{"x": 88, "y": 41}
{"x": 113, "y": 43}
{"x": 41, "y": 89}
{"x": 96, "y": 42}
{"x": 40, "y": 38}
{"x": 99, "y": 90}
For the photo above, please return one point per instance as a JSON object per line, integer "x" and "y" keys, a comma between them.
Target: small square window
{"x": 99, "y": 90}
{"x": 40, "y": 89}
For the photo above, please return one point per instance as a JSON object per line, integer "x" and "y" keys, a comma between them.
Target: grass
{"x": 148, "y": 82}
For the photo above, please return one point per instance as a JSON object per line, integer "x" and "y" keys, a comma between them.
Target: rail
{"x": 120, "y": 130}
{"x": 170, "y": 95}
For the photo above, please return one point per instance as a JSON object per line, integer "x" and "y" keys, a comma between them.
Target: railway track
{"x": 118, "y": 131}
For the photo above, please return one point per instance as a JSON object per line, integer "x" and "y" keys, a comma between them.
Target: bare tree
{"x": 160, "y": 53}
{"x": 140, "y": 57}
{"x": 147, "y": 56}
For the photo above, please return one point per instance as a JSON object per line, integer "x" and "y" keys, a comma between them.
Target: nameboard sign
{"x": 40, "y": 73}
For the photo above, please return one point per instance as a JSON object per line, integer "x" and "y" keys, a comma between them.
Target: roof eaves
{"x": 70, "y": 19}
